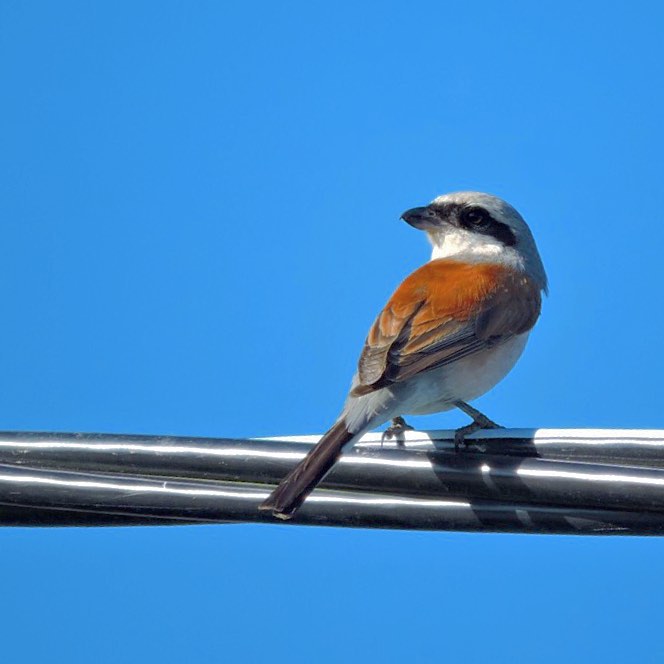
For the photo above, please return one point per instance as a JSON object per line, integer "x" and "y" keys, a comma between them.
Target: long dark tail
{"x": 302, "y": 480}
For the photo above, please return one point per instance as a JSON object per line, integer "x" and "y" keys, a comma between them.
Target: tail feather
{"x": 301, "y": 481}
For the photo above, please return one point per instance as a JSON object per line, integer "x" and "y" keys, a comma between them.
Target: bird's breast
{"x": 466, "y": 379}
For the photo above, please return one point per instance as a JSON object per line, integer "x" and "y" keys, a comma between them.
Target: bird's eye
{"x": 476, "y": 218}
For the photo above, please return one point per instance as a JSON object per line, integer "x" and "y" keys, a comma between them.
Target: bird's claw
{"x": 395, "y": 430}
{"x": 480, "y": 423}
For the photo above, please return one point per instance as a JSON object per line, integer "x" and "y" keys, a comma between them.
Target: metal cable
{"x": 529, "y": 481}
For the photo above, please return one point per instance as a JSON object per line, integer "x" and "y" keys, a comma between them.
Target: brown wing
{"x": 441, "y": 313}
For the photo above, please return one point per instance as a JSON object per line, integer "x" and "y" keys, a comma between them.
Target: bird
{"x": 451, "y": 331}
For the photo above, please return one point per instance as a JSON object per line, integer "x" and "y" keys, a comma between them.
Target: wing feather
{"x": 441, "y": 313}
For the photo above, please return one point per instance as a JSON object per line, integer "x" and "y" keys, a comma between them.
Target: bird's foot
{"x": 480, "y": 421}
{"x": 395, "y": 430}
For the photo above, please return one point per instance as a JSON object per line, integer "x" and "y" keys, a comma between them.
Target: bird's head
{"x": 474, "y": 227}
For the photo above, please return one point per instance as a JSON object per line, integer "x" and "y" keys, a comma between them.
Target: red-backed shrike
{"x": 451, "y": 331}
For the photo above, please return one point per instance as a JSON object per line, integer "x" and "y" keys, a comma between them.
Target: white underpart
{"x": 466, "y": 379}
{"x": 436, "y": 390}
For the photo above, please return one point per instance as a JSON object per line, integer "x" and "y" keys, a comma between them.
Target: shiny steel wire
{"x": 526, "y": 481}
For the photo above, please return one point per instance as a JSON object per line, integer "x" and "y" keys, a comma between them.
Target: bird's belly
{"x": 465, "y": 379}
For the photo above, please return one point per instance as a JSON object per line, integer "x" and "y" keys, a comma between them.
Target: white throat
{"x": 462, "y": 245}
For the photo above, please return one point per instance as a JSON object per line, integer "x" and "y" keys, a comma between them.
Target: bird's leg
{"x": 480, "y": 421}
{"x": 478, "y": 418}
{"x": 396, "y": 429}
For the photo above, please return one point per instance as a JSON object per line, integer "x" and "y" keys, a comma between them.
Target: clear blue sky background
{"x": 200, "y": 205}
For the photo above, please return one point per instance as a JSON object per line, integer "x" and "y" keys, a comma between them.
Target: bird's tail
{"x": 301, "y": 481}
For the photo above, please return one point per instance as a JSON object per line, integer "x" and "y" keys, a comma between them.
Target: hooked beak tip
{"x": 422, "y": 218}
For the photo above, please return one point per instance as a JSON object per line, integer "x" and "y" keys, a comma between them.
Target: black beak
{"x": 422, "y": 218}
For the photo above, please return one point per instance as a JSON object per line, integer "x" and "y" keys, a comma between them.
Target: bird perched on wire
{"x": 451, "y": 331}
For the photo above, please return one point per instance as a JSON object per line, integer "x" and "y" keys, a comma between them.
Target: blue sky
{"x": 200, "y": 206}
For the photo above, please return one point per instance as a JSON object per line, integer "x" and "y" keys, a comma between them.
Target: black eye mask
{"x": 479, "y": 220}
